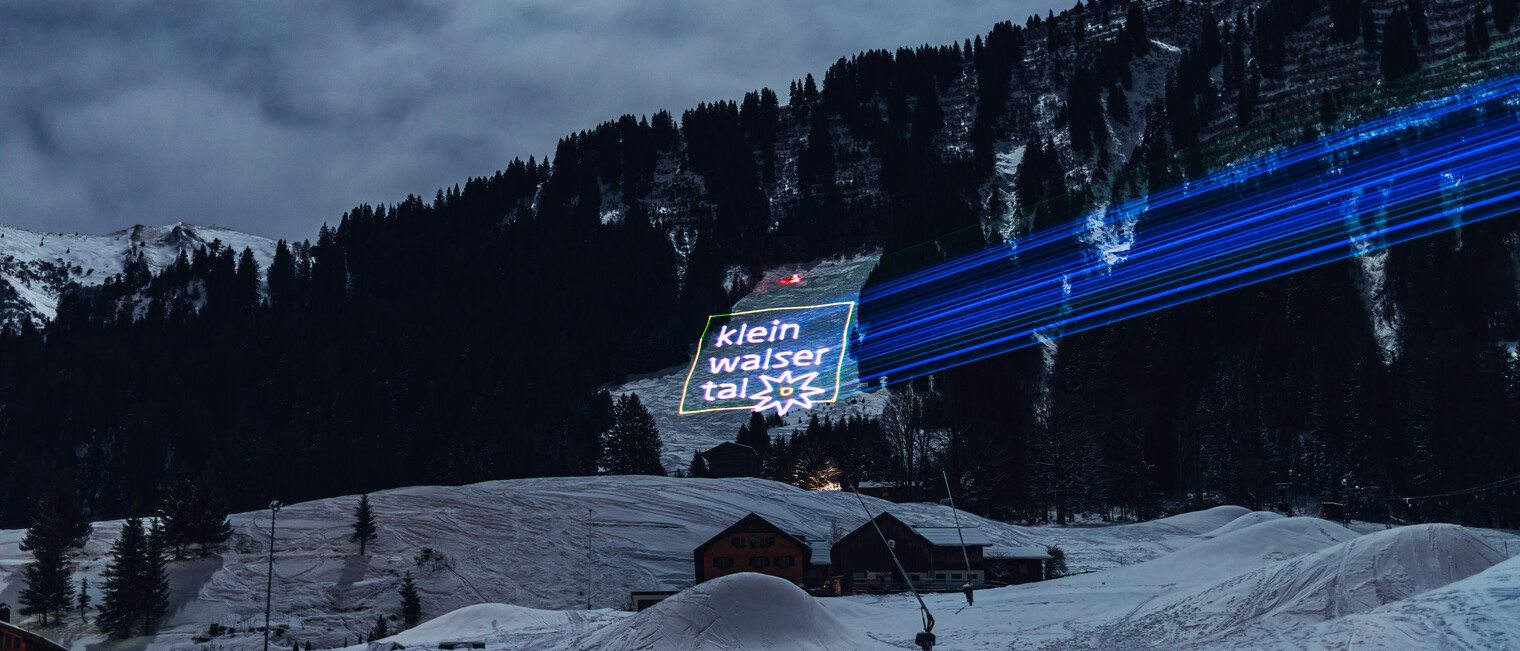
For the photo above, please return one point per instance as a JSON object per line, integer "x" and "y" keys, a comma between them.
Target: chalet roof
{"x": 33, "y": 641}
{"x": 756, "y": 518}
{"x": 729, "y": 444}
{"x": 1017, "y": 553}
{"x": 948, "y": 536}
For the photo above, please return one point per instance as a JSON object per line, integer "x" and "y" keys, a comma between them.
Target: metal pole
{"x": 589, "y": 530}
{"x": 964, "y": 554}
{"x": 274, "y": 510}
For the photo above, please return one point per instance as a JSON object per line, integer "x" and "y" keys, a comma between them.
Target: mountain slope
{"x": 36, "y": 267}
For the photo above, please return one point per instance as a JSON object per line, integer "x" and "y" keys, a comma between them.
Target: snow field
{"x": 511, "y": 563}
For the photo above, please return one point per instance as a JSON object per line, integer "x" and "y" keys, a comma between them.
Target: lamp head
{"x": 274, "y": 505}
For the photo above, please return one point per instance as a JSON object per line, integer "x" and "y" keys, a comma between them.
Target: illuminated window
{"x": 723, "y": 562}
{"x": 759, "y": 562}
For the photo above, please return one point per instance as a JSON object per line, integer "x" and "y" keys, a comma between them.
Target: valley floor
{"x": 515, "y": 563}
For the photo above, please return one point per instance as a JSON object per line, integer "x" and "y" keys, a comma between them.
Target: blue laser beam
{"x": 1427, "y": 169}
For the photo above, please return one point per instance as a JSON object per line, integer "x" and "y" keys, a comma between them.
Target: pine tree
{"x": 1399, "y": 57}
{"x": 380, "y": 630}
{"x": 698, "y": 466}
{"x": 191, "y": 513}
{"x": 1476, "y": 33}
{"x": 633, "y": 444}
{"x": 84, "y": 599}
{"x": 175, "y": 520}
{"x": 364, "y": 525}
{"x": 1118, "y": 104}
{"x": 1505, "y": 12}
{"x": 58, "y": 529}
{"x": 411, "y": 603}
{"x": 135, "y": 595}
{"x": 1134, "y": 29}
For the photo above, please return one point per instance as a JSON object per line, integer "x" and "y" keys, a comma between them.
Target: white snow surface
{"x": 510, "y": 563}
{"x": 739, "y": 611}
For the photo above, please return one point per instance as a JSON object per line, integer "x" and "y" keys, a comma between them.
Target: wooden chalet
{"x": 1015, "y": 565}
{"x": 15, "y": 638}
{"x": 753, "y": 544}
{"x": 730, "y": 459}
{"x": 935, "y": 558}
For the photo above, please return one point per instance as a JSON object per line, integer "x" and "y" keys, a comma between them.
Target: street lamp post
{"x": 274, "y": 510}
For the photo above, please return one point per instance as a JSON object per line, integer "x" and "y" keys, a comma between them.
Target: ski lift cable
{"x": 1509, "y": 481}
{"x": 928, "y": 618}
{"x": 957, "y": 516}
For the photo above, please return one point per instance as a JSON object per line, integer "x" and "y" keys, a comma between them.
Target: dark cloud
{"x": 272, "y": 117}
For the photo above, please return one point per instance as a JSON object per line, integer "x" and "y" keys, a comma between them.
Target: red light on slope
{"x": 794, "y": 279}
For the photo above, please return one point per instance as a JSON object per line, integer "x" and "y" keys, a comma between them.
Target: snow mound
{"x": 486, "y": 622}
{"x": 1479, "y": 612}
{"x": 1204, "y": 521}
{"x": 1247, "y": 520}
{"x": 739, "y": 611}
{"x": 1234, "y": 552}
{"x": 1352, "y": 577}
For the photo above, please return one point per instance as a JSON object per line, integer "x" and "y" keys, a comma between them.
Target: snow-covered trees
{"x": 136, "y": 589}
{"x": 632, "y": 446}
{"x": 364, "y": 525}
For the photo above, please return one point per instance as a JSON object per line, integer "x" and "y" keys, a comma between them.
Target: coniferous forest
{"x": 470, "y": 336}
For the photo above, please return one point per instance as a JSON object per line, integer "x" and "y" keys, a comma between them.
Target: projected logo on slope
{"x": 781, "y": 358}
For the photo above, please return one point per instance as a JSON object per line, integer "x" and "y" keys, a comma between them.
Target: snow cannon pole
{"x": 956, "y": 514}
{"x": 928, "y": 618}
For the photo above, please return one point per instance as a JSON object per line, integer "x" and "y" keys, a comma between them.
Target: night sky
{"x": 273, "y": 117}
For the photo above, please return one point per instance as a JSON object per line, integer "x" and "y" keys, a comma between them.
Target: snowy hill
{"x": 35, "y": 267}
{"x": 511, "y": 562}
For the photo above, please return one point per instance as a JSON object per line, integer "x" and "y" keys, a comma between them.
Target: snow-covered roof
{"x": 949, "y": 537}
{"x": 1023, "y": 553}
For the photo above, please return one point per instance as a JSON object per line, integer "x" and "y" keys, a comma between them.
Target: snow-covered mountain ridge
{"x": 35, "y": 267}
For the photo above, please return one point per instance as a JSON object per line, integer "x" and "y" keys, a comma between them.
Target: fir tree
{"x": 58, "y": 529}
{"x": 1505, "y": 12}
{"x": 1399, "y": 57}
{"x": 191, "y": 514}
{"x": 633, "y": 444}
{"x": 411, "y": 603}
{"x": 135, "y": 595}
{"x": 698, "y": 466}
{"x": 83, "y": 602}
{"x": 380, "y": 630}
{"x": 364, "y": 525}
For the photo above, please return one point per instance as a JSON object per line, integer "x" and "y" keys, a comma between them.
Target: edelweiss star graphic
{"x": 785, "y": 391}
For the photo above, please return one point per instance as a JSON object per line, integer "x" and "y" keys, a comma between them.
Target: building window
{"x": 956, "y": 576}
{"x": 767, "y": 541}
{"x": 738, "y": 541}
{"x": 723, "y": 562}
{"x": 759, "y": 562}
{"x": 785, "y": 561}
